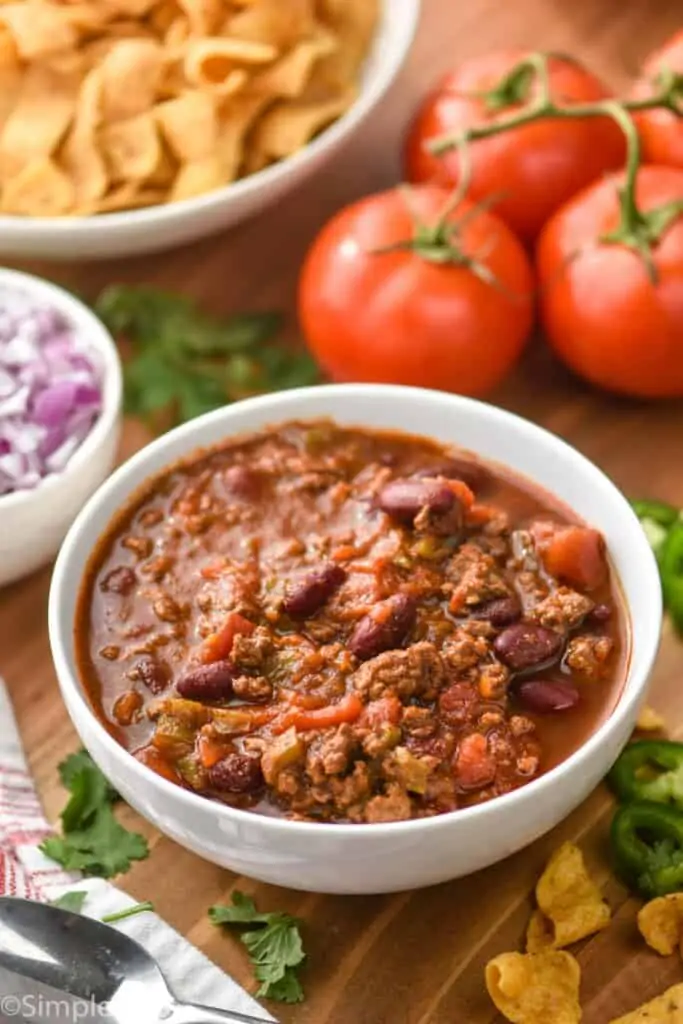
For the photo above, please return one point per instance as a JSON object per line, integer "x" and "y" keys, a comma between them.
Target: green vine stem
{"x": 637, "y": 229}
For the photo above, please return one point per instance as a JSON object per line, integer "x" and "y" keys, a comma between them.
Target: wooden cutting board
{"x": 413, "y": 958}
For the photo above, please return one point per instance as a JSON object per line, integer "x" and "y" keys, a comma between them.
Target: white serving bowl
{"x": 132, "y": 232}
{"x": 33, "y": 522}
{"x": 376, "y": 858}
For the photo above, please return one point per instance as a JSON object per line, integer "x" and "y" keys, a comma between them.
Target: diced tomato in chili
{"x": 474, "y": 766}
{"x": 211, "y": 748}
{"x": 575, "y": 554}
{"x": 217, "y": 646}
{"x": 154, "y": 759}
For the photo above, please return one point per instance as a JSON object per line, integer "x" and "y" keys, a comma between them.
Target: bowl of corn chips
{"x": 129, "y": 126}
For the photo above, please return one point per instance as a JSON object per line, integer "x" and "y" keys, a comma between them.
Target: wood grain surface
{"x": 413, "y": 958}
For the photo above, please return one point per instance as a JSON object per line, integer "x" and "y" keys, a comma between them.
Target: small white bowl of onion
{"x": 60, "y": 417}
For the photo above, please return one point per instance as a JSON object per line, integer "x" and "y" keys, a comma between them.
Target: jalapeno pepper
{"x": 650, "y": 770}
{"x": 663, "y": 526}
{"x": 671, "y": 570}
{"x": 647, "y": 840}
{"x": 656, "y": 512}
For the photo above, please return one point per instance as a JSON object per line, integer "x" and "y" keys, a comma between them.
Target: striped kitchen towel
{"x": 26, "y": 872}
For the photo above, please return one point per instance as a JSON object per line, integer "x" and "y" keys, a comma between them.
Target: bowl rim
{"x": 12, "y": 226}
{"x": 630, "y": 697}
{"x": 89, "y": 327}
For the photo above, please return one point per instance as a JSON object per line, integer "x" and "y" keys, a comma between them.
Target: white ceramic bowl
{"x": 33, "y": 523}
{"x": 399, "y": 855}
{"x": 159, "y": 227}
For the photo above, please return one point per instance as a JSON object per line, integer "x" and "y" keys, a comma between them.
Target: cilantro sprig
{"x": 183, "y": 362}
{"x": 92, "y": 840}
{"x": 274, "y": 944}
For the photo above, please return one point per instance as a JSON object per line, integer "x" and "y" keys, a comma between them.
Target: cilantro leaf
{"x": 183, "y": 362}
{"x": 274, "y": 944}
{"x": 279, "y": 943}
{"x": 286, "y": 989}
{"x": 73, "y": 764}
{"x": 92, "y": 840}
{"x": 242, "y": 911}
{"x": 72, "y": 901}
{"x": 103, "y": 847}
{"x": 89, "y": 791}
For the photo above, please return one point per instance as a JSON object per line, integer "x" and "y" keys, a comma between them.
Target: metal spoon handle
{"x": 193, "y": 1013}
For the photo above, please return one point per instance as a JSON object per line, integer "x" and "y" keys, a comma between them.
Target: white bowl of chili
{"x": 381, "y": 856}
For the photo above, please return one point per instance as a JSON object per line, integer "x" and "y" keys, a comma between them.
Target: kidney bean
{"x": 601, "y": 613}
{"x": 384, "y": 627}
{"x": 471, "y": 473}
{"x": 242, "y": 481}
{"x": 403, "y": 499}
{"x": 119, "y": 581}
{"x": 151, "y": 672}
{"x": 208, "y": 682}
{"x": 547, "y": 696}
{"x": 311, "y": 593}
{"x": 526, "y": 645}
{"x": 501, "y": 611}
{"x": 237, "y": 773}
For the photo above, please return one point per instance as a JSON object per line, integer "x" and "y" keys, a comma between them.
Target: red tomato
{"x": 661, "y": 132}
{"x": 602, "y": 313}
{"x": 534, "y": 168}
{"x": 399, "y": 317}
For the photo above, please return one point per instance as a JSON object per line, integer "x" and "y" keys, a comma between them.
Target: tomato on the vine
{"x": 661, "y": 131}
{"x": 614, "y": 312}
{"x": 531, "y": 169}
{"x": 396, "y": 289}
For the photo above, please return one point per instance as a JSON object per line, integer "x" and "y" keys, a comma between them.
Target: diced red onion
{"x": 50, "y": 392}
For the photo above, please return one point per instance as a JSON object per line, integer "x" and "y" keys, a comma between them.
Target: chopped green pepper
{"x": 671, "y": 570}
{"x": 650, "y": 770}
{"x": 647, "y": 840}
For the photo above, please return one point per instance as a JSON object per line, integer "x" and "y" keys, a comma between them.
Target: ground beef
{"x": 472, "y": 578}
{"x": 346, "y": 792}
{"x": 589, "y": 655}
{"x": 252, "y": 650}
{"x": 395, "y": 805}
{"x": 463, "y": 652}
{"x": 253, "y": 689}
{"x": 415, "y": 672}
{"x": 530, "y": 588}
{"x": 419, "y": 722}
{"x": 376, "y": 740}
{"x": 563, "y": 609}
{"x": 329, "y": 753}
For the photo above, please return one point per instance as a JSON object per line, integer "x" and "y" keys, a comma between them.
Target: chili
{"x": 350, "y": 625}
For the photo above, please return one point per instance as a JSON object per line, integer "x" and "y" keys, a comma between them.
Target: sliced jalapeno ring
{"x": 647, "y": 840}
{"x": 650, "y": 770}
